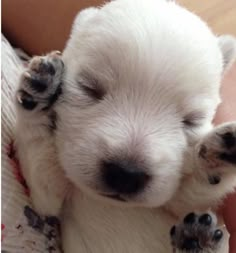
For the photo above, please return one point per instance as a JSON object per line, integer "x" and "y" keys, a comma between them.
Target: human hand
{"x": 227, "y": 112}
{"x": 229, "y": 214}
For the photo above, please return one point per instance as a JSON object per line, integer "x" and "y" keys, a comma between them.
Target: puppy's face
{"x": 138, "y": 92}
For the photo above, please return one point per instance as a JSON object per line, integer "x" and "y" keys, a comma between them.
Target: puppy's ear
{"x": 227, "y": 45}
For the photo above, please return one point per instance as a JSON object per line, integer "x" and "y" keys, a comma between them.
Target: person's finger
{"x": 229, "y": 211}
{"x": 226, "y": 112}
{"x": 227, "y": 109}
{"x": 232, "y": 243}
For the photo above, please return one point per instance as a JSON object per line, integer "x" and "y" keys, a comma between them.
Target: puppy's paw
{"x": 216, "y": 153}
{"x": 197, "y": 233}
{"x": 40, "y": 84}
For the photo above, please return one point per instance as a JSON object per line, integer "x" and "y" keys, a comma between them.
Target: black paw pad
{"x": 52, "y": 220}
{"x": 38, "y": 85}
{"x": 191, "y": 244}
{"x": 229, "y": 140}
{"x": 217, "y": 235}
{"x": 190, "y": 218}
{"x": 205, "y": 219}
{"x": 48, "y": 68}
{"x": 27, "y": 101}
{"x": 214, "y": 179}
{"x": 196, "y": 234}
{"x": 228, "y": 157}
{"x": 172, "y": 231}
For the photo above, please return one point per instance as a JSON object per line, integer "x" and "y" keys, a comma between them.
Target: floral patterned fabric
{"x": 23, "y": 230}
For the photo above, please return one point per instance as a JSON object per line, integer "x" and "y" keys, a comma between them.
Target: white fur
{"x": 157, "y": 63}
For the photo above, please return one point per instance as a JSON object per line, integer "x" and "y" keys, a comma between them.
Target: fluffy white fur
{"x": 157, "y": 64}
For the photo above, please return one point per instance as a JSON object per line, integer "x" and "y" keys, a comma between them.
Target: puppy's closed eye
{"x": 193, "y": 119}
{"x": 96, "y": 93}
{"x": 91, "y": 87}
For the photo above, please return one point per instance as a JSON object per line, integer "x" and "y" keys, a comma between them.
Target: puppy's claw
{"x": 18, "y": 97}
{"x": 27, "y": 75}
{"x": 58, "y": 52}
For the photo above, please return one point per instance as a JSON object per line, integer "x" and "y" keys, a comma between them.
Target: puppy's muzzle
{"x": 124, "y": 177}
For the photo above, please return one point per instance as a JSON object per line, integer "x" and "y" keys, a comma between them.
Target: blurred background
{"x": 42, "y": 26}
{"x": 219, "y": 14}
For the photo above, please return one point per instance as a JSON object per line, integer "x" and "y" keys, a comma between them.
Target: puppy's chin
{"x": 120, "y": 201}
{"x": 117, "y": 200}
{"x": 138, "y": 200}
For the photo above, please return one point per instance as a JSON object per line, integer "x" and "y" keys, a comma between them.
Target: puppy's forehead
{"x": 149, "y": 42}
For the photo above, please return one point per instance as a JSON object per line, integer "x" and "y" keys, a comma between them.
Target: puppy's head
{"x": 141, "y": 86}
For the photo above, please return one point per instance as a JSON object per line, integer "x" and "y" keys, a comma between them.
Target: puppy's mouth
{"x": 115, "y": 197}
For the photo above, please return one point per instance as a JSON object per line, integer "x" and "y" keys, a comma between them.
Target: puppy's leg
{"x": 197, "y": 234}
{"x": 38, "y": 91}
{"x": 214, "y": 173}
{"x": 216, "y": 153}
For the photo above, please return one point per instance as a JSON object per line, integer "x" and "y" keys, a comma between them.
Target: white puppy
{"x": 115, "y": 136}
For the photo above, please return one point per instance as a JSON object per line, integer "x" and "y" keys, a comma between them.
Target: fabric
{"x": 23, "y": 230}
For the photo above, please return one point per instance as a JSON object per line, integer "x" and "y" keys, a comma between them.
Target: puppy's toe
{"x": 197, "y": 233}
{"x": 41, "y": 82}
{"x": 216, "y": 153}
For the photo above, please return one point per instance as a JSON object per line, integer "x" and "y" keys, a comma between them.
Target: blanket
{"x": 23, "y": 230}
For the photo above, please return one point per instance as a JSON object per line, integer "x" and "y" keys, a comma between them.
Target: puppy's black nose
{"x": 124, "y": 177}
